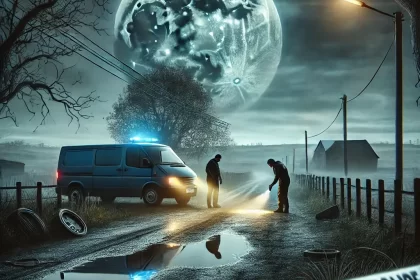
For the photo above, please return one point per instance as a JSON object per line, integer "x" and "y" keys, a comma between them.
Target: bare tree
{"x": 413, "y": 9}
{"x": 179, "y": 120}
{"x": 32, "y": 47}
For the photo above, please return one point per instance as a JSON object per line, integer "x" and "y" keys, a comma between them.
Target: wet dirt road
{"x": 242, "y": 240}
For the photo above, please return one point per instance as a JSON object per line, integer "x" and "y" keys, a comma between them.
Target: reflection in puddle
{"x": 217, "y": 250}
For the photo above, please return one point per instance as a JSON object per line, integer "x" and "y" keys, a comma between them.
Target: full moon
{"x": 232, "y": 47}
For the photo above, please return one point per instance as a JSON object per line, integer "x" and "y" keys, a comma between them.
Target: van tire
{"x": 76, "y": 195}
{"x": 108, "y": 199}
{"x": 183, "y": 200}
{"x": 151, "y": 196}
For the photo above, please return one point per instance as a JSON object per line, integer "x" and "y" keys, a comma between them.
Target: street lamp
{"x": 398, "y": 19}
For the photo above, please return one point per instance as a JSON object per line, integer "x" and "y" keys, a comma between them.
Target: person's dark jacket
{"x": 212, "y": 170}
{"x": 280, "y": 171}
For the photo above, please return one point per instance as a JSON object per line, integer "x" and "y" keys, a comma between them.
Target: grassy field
{"x": 366, "y": 248}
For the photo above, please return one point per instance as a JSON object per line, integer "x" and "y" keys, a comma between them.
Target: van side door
{"x": 108, "y": 172}
{"x": 135, "y": 173}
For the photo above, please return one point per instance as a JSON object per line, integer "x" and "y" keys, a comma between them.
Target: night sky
{"x": 330, "y": 48}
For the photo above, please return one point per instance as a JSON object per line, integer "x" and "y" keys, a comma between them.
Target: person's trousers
{"x": 283, "y": 198}
{"x": 212, "y": 190}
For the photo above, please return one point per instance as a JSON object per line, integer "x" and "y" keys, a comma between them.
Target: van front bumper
{"x": 177, "y": 192}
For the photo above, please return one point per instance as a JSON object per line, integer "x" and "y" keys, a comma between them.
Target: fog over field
{"x": 42, "y": 161}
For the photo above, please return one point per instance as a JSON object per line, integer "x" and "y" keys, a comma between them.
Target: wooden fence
{"x": 39, "y": 198}
{"x": 322, "y": 184}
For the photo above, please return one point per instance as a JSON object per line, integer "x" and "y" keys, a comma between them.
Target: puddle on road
{"x": 222, "y": 249}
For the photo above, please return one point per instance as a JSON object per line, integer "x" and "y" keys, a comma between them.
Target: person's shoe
{"x": 217, "y": 206}
{"x": 209, "y": 206}
{"x": 278, "y": 211}
{"x": 286, "y": 211}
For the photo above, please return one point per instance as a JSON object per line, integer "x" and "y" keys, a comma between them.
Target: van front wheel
{"x": 183, "y": 201}
{"x": 152, "y": 197}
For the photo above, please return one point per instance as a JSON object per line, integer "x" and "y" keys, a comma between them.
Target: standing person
{"x": 213, "y": 180}
{"x": 281, "y": 175}
{"x": 213, "y": 245}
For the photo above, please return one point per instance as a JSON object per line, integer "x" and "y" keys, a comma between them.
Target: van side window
{"x": 108, "y": 157}
{"x": 134, "y": 157}
{"x": 78, "y": 158}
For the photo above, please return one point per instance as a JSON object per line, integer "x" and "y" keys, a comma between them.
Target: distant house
{"x": 329, "y": 156}
{"x": 11, "y": 168}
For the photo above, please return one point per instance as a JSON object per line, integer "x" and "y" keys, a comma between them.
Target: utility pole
{"x": 399, "y": 98}
{"x": 345, "y": 134}
{"x": 306, "y": 150}
{"x": 294, "y": 151}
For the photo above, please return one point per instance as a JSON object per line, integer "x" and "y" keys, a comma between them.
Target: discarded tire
{"x": 330, "y": 213}
{"x": 322, "y": 254}
{"x": 27, "y": 225}
{"x": 71, "y": 222}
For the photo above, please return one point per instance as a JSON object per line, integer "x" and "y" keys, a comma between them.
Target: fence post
{"x": 313, "y": 181}
{"x": 319, "y": 183}
{"x": 323, "y": 185}
{"x": 59, "y": 197}
{"x": 328, "y": 187}
{"x": 342, "y": 192}
{"x": 358, "y": 198}
{"x": 369, "y": 200}
{"x": 381, "y": 200}
{"x": 334, "y": 185}
{"x": 397, "y": 206}
{"x": 417, "y": 209}
{"x": 19, "y": 194}
{"x": 349, "y": 196}
{"x": 39, "y": 197}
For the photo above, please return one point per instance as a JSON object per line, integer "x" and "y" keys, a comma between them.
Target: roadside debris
{"x": 72, "y": 222}
{"x": 322, "y": 254}
{"x": 27, "y": 225}
{"x": 329, "y": 213}
{"x": 28, "y": 262}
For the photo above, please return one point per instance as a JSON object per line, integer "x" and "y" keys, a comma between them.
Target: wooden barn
{"x": 329, "y": 156}
{"x": 11, "y": 168}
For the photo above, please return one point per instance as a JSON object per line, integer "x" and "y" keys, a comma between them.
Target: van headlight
{"x": 174, "y": 182}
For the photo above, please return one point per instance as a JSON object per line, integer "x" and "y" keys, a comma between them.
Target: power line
{"x": 360, "y": 93}
{"x": 377, "y": 70}
{"x": 338, "y": 113}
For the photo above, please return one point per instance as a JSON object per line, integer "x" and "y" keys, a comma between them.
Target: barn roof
{"x": 327, "y": 144}
{"x": 361, "y": 147}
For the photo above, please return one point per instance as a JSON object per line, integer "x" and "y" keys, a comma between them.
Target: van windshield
{"x": 162, "y": 155}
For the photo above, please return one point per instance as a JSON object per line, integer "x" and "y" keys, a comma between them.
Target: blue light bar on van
{"x": 144, "y": 140}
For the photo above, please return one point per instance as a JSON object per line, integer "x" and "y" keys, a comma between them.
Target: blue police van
{"x": 147, "y": 170}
